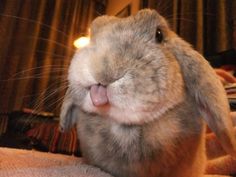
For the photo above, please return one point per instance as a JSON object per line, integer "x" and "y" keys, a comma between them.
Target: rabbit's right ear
{"x": 69, "y": 112}
{"x": 208, "y": 92}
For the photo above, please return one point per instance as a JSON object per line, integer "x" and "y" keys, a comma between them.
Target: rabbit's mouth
{"x": 98, "y": 95}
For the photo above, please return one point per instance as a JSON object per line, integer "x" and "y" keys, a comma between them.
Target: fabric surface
{"x": 27, "y": 131}
{"x": 28, "y": 163}
{"x": 53, "y": 140}
{"x": 25, "y": 163}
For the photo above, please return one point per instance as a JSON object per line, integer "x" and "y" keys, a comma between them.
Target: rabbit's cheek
{"x": 80, "y": 71}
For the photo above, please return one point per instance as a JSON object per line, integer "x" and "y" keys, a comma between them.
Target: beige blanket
{"x": 27, "y": 163}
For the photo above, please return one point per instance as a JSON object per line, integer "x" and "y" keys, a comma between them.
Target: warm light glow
{"x": 81, "y": 42}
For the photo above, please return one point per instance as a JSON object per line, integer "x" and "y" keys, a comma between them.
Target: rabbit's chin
{"x": 124, "y": 114}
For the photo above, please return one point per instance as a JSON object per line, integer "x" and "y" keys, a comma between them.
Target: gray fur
{"x": 157, "y": 93}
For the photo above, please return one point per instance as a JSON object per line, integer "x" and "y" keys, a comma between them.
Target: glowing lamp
{"x": 81, "y": 42}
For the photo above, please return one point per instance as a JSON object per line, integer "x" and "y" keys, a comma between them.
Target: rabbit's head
{"x": 135, "y": 69}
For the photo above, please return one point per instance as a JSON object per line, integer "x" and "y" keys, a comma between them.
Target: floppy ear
{"x": 69, "y": 112}
{"x": 204, "y": 86}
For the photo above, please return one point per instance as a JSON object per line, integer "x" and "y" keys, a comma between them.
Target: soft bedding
{"x": 29, "y": 163}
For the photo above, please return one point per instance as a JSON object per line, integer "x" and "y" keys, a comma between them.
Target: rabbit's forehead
{"x": 143, "y": 19}
{"x": 145, "y": 22}
{"x": 137, "y": 24}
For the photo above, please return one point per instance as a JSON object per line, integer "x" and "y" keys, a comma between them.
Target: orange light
{"x": 81, "y": 42}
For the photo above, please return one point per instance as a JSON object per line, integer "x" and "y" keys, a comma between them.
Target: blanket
{"x": 28, "y": 163}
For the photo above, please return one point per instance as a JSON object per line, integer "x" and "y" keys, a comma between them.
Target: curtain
{"x": 36, "y": 46}
{"x": 206, "y": 24}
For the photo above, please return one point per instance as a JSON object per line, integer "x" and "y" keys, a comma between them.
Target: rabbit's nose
{"x": 98, "y": 94}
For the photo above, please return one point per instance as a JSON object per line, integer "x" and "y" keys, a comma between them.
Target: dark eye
{"x": 159, "y": 36}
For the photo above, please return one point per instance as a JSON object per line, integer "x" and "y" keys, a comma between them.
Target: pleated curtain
{"x": 206, "y": 24}
{"x": 36, "y": 47}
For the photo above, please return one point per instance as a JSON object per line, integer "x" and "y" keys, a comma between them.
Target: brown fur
{"x": 157, "y": 93}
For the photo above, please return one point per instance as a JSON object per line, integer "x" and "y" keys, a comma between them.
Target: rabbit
{"x": 141, "y": 97}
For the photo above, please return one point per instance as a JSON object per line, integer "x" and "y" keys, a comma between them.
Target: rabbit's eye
{"x": 159, "y": 36}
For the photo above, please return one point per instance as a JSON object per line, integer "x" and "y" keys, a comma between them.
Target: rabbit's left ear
{"x": 204, "y": 86}
{"x": 69, "y": 112}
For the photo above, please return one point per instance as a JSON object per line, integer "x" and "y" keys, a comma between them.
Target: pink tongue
{"x": 98, "y": 94}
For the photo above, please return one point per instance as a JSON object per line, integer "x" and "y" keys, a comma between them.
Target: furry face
{"x": 136, "y": 77}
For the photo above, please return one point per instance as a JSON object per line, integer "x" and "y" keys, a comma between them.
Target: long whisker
{"x": 163, "y": 6}
{"x": 54, "y": 67}
{"x": 42, "y": 101}
{"x": 63, "y": 81}
{"x": 37, "y": 76}
{"x": 53, "y": 41}
{"x": 34, "y": 21}
{"x": 187, "y": 13}
{"x": 64, "y": 84}
{"x": 57, "y": 101}
{"x": 53, "y": 54}
{"x": 31, "y": 77}
{"x": 186, "y": 20}
{"x": 36, "y": 110}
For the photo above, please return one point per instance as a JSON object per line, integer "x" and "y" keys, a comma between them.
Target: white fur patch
{"x": 80, "y": 70}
